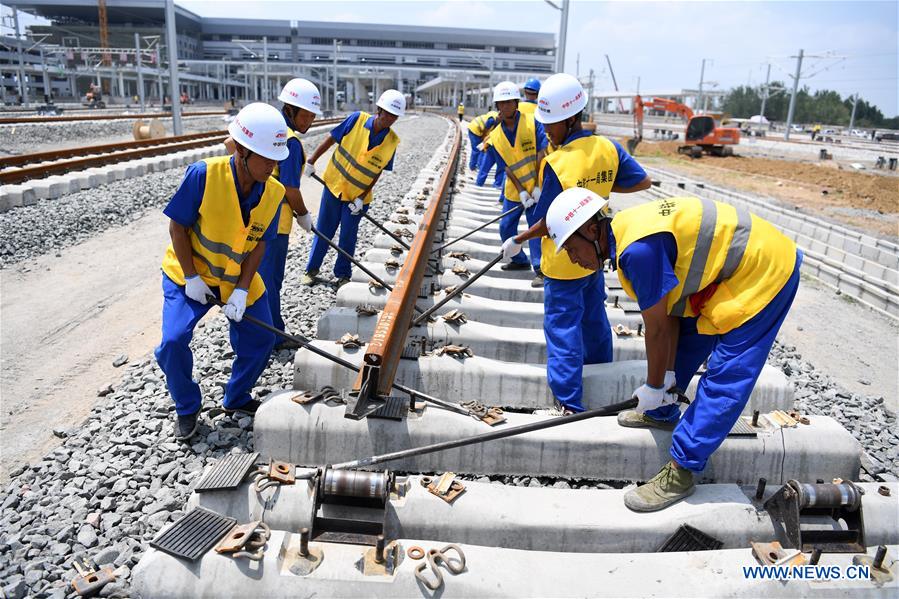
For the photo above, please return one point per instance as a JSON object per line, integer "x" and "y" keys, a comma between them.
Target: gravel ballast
{"x": 120, "y": 476}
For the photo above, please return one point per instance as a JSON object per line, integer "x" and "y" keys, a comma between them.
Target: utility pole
{"x": 701, "y": 82}
{"x": 46, "y": 78}
{"x": 765, "y": 93}
{"x": 577, "y": 65}
{"x": 638, "y": 85}
{"x": 792, "y": 109}
{"x": 563, "y": 37}
{"x": 265, "y": 68}
{"x": 159, "y": 76}
{"x": 614, "y": 82}
{"x": 23, "y": 88}
{"x": 172, "y": 38}
{"x": 140, "y": 73}
{"x": 852, "y": 118}
{"x": 334, "y": 97}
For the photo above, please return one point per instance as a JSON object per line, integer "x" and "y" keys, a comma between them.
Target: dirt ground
{"x": 865, "y": 201}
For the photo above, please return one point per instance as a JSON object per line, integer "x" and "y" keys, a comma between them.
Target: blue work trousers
{"x": 508, "y": 227}
{"x": 475, "y": 158}
{"x": 271, "y": 269}
{"x": 735, "y": 362}
{"x": 487, "y": 163}
{"x": 252, "y": 346}
{"x": 577, "y": 332}
{"x": 331, "y": 214}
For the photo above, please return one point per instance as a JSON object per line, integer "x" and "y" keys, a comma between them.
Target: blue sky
{"x": 661, "y": 42}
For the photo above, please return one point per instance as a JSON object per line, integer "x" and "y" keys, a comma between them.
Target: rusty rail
{"x": 389, "y": 337}
{"x": 101, "y": 117}
{"x": 43, "y": 164}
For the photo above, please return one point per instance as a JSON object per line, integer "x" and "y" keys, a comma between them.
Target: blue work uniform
{"x": 275, "y": 261}
{"x": 252, "y": 344}
{"x": 735, "y": 359}
{"x": 332, "y": 212}
{"x": 575, "y": 323}
{"x": 508, "y": 225}
{"x": 487, "y": 161}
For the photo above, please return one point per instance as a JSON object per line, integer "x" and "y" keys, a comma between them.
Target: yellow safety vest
{"x": 525, "y": 107}
{"x": 353, "y": 166}
{"x": 285, "y": 220}
{"x": 478, "y": 124}
{"x": 590, "y": 162}
{"x": 730, "y": 263}
{"x": 219, "y": 239}
{"x": 461, "y": 109}
{"x": 520, "y": 158}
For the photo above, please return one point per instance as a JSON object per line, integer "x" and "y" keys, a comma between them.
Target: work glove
{"x": 526, "y": 200}
{"x": 197, "y": 289}
{"x": 650, "y": 398}
{"x": 237, "y": 305}
{"x": 670, "y": 380}
{"x": 511, "y": 248}
{"x": 356, "y": 207}
{"x": 305, "y": 221}
{"x": 536, "y": 194}
{"x": 309, "y": 169}
{"x": 482, "y": 147}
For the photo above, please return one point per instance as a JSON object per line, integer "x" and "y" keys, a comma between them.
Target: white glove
{"x": 197, "y": 289}
{"x": 650, "y": 398}
{"x": 528, "y": 201}
{"x": 670, "y": 380}
{"x": 309, "y": 169}
{"x": 356, "y": 207}
{"x": 536, "y": 194}
{"x": 305, "y": 221}
{"x": 236, "y": 305}
{"x": 511, "y": 248}
{"x": 482, "y": 147}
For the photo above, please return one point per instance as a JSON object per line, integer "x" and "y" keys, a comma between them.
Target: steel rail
{"x": 386, "y": 345}
{"x": 42, "y": 164}
{"x": 100, "y": 117}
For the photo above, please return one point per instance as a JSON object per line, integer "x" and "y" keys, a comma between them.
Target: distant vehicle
{"x": 828, "y": 132}
{"x": 797, "y": 128}
{"x": 860, "y": 133}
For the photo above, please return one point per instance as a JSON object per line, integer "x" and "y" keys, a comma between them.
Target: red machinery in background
{"x": 703, "y": 133}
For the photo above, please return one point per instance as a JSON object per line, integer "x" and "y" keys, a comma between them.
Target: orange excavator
{"x": 703, "y": 133}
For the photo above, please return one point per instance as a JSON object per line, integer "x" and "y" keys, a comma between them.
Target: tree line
{"x": 823, "y": 106}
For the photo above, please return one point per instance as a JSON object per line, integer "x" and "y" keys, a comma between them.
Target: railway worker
{"x": 713, "y": 283}
{"x": 575, "y": 324}
{"x": 461, "y": 111}
{"x": 365, "y": 148}
{"x": 301, "y": 104}
{"x": 222, "y": 216}
{"x": 477, "y": 131}
{"x": 531, "y": 91}
{"x": 517, "y": 146}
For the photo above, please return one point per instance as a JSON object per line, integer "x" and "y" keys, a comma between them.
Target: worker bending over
{"x": 517, "y": 146}
{"x": 365, "y": 148}
{"x": 531, "y": 91}
{"x": 222, "y": 216}
{"x": 301, "y": 104}
{"x": 575, "y": 324}
{"x": 478, "y": 129}
{"x": 713, "y": 282}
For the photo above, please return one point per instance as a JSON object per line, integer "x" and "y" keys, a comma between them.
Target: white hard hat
{"x": 302, "y": 93}
{"x": 506, "y": 90}
{"x": 571, "y": 209}
{"x": 561, "y": 96}
{"x": 393, "y": 101}
{"x": 260, "y": 128}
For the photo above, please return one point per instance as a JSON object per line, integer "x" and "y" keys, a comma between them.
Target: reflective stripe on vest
{"x": 353, "y": 166}
{"x": 590, "y": 162}
{"x": 730, "y": 263}
{"x": 220, "y": 242}
{"x": 285, "y": 220}
{"x": 520, "y": 157}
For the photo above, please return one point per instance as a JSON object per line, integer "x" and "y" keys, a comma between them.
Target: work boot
{"x": 309, "y": 278}
{"x": 635, "y": 419}
{"x": 538, "y": 279}
{"x": 186, "y": 427}
{"x": 516, "y": 266}
{"x": 248, "y": 408}
{"x": 342, "y": 281}
{"x": 669, "y": 486}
